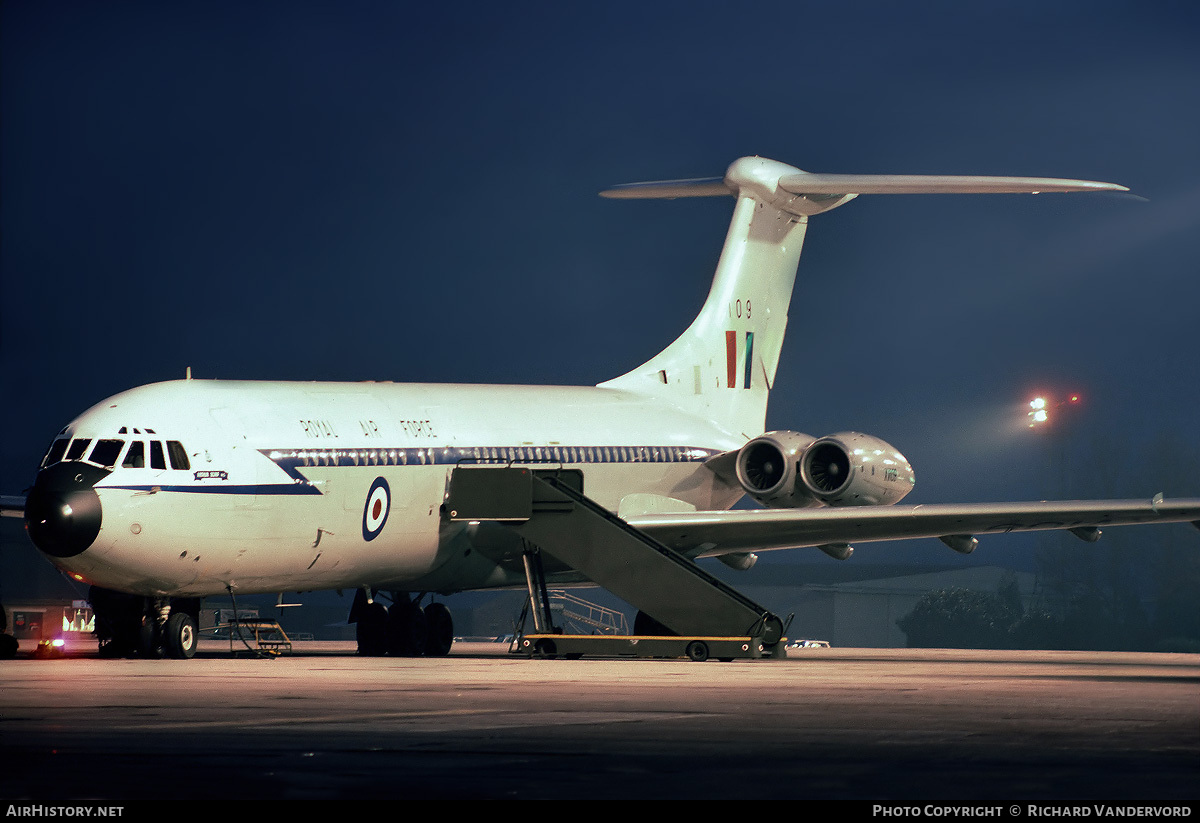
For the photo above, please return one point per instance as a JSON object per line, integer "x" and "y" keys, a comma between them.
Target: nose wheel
{"x": 180, "y": 637}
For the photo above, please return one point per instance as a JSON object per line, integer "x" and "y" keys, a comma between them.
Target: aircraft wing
{"x": 12, "y": 505}
{"x": 708, "y": 533}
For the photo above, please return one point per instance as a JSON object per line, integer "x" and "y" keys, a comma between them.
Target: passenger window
{"x": 106, "y": 452}
{"x": 135, "y": 458}
{"x": 179, "y": 458}
{"x": 157, "y": 461}
{"x": 56, "y": 452}
{"x": 78, "y": 447}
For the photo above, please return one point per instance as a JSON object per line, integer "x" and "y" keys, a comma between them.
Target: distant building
{"x": 863, "y": 613}
{"x": 47, "y": 620}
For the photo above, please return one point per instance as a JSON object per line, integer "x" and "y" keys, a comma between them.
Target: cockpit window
{"x": 78, "y": 448}
{"x": 135, "y": 458}
{"x": 106, "y": 452}
{"x": 157, "y": 461}
{"x": 179, "y": 458}
{"x": 56, "y": 452}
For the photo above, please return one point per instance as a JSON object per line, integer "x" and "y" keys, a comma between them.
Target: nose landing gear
{"x": 133, "y": 626}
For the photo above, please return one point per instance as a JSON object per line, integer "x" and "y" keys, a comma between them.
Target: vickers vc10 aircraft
{"x": 170, "y": 492}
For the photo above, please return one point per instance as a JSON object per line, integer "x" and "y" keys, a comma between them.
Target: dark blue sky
{"x": 320, "y": 191}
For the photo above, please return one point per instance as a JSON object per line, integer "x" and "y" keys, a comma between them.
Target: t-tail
{"x": 723, "y": 366}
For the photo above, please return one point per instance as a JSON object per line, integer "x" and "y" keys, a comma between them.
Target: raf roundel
{"x": 375, "y": 512}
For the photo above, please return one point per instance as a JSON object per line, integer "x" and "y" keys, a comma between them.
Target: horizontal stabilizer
{"x": 806, "y": 183}
{"x": 668, "y": 189}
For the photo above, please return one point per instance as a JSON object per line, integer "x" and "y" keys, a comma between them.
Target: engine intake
{"x": 855, "y": 469}
{"x": 827, "y": 467}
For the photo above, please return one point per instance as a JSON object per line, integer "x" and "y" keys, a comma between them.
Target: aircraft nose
{"x": 62, "y": 510}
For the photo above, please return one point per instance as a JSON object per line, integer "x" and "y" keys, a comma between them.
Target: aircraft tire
{"x": 371, "y": 630}
{"x": 440, "y": 636}
{"x": 407, "y": 630}
{"x": 180, "y": 637}
{"x": 150, "y": 641}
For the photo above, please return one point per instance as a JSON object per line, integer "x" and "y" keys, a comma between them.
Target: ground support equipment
{"x": 548, "y": 509}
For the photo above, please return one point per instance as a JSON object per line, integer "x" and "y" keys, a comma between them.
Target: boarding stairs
{"x": 550, "y": 512}
{"x": 586, "y": 616}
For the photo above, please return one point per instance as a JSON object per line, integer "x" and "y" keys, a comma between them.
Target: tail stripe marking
{"x": 749, "y": 358}
{"x": 731, "y": 358}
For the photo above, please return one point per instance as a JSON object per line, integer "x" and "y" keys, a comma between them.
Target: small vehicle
{"x": 809, "y": 644}
{"x": 47, "y": 649}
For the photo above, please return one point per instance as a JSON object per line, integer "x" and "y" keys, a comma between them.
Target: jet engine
{"x": 768, "y": 467}
{"x": 792, "y": 470}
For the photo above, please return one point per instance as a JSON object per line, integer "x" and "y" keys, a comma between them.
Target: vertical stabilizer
{"x": 723, "y": 366}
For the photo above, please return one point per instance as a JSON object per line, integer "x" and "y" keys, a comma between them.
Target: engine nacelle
{"x": 787, "y": 469}
{"x": 855, "y": 469}
{"x": 768, "y": 467}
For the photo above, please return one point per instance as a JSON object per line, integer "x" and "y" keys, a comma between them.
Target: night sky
{"x": 350, "y": 191}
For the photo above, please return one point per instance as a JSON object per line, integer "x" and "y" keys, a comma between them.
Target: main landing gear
{"x": 129, "y": 625}
{"x": 403, "y": 629}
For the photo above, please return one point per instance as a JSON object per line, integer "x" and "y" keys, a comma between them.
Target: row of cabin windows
{"x": 586, "y": 454}
{"x": 492, "y": 454}
{"x": 107, "y": 452}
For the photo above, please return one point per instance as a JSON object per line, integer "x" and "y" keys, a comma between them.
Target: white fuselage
{"x": 282, "y": 486}
{"x": 261, "y": 486}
